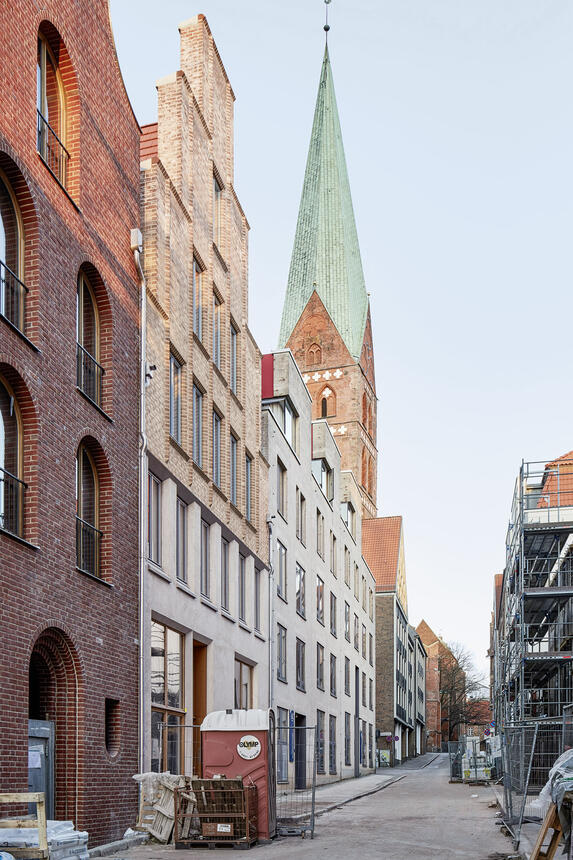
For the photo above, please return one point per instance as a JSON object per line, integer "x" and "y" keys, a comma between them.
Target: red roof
{"x": 148, "y": 142}
{"x": 557, "y": 490}
{"x": 381, "y": 549}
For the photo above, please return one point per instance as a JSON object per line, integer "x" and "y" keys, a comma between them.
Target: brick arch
{"x": 27, "y": 210}
{"x": 106, "y": 330}
{"x": 56, "y": 693}
{"x": 29, "y": 440}
{"x": 72, "y": 102}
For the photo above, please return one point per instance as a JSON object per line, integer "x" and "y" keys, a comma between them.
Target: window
{"x": 300, "y": 591}
{"x": 300, "y": 516}
{"x": 346, "y": 621}
{"x": 281, "y": 653}
{"x": 198, "y": 426}
{"x": 234, "y": 335}
{"x": 225, "y": 574}
{"x": 347, "y": 676}
{"x": 364, "y": 689}
{"x": 216, "y": 331}
{"x": 281, "y": 489}
{"x": 319, "y": 666}
{"x": 282, "y": 572}
{"x": 364, "y": 593}
{"x": 12, "y": 289}
{"x": 217, "y": 206}
{"x": 257, "y": 606}
{"x": 320, "y": 742}
{"x": 287, "y": 420}
{"x": 205, "y": 571}
{"x": 331, "y": 744}
{"x": 319, "y": 533}
{"x": 356, "y": 582}
{"x": 363, "y": 743}
{"x": 333, "y": 613}
{"x": 11, "y": 486}
{"x": 324, "y": 476}
{"x": 216, "y": 448}
{"x": 197, "y": 290}
{"x": 349, "y": 516}
{"x": 371, "y": 694}
{"x": 175, "y": 399}
{"x": 332, "y": 675}
{"x": 327, "y": 400}
{"x": 356, "y": 632}
{"x": 347, "y": 566}
{"x": 370, "y": 649}
{"x": 370, "y": 749}
{"x": 181, "y": 541}
{"x": 248, "y": 486}
{"x": 89, "y": 370}
{"x": 50, "y": 105}
{"x": 333, "y": 554}
{"x": 371, "y": 604}
{"x": 233, "y": 468}
{"x": 242, "y": 588}
{"x": 347, "y": 759}
{"x": 319, "y": 600}
{"x": 88, "y": 536}
{"x": 364, "y": 641}
{"x": 282, "y": 744}
{"x": 167, "y": 699}
{"x": 300, "y": 666}
{"x": 154, "y": 519}
{"x": 243, "y": 685}
{"x": 112, "y": 727}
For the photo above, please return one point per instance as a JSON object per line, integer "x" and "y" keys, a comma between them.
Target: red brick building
{"x": 69, "y": 181}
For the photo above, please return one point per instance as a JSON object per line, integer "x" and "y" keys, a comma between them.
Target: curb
{"x": 119, "y": 845}
{"x": 342, "y": 803}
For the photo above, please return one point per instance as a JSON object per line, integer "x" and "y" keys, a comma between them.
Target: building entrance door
{"x": 299, "y": 751}
{"x": 41, "y": 761}
{"x": 199, "y": 700}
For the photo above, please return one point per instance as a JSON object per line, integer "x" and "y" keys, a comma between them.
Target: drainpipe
{"x": 136, "y": 247}
{"x": 272, "y": 593}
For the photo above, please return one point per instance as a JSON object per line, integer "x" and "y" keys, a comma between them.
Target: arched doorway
{"x": 54, "y": 711}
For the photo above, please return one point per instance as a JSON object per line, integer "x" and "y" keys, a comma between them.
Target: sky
{"x": 458, "y": 131}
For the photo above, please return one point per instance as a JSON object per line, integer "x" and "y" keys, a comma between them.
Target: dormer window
{"x": 324, "y": 476}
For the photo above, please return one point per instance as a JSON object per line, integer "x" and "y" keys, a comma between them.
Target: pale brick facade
{"x": 207, "y": 579}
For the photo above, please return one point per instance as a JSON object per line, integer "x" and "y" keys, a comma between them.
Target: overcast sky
{"x": 458, "y": 130}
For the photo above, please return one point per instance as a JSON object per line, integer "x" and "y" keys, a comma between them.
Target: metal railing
{"x": 88, "y": 547}
{"x": 12, "y": 297}
{"x": 89, "y": 375}
{"x": 52, "y": 150}
{"x": 11, "y": 503}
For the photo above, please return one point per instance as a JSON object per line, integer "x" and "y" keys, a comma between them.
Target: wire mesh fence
{"x": 472, "y": 760}
{"x": 212, "y": 811}
{"x": 296, "y": 765}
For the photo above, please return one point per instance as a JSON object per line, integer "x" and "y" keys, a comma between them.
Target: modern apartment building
{"x": 68, "y": 416}
{"x": 206, "y": 622}
{"x": 322, "y": 601}
{"x": 416, "y": 693}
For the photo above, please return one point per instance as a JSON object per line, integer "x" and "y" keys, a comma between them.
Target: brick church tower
{"x": 326, "y": 314}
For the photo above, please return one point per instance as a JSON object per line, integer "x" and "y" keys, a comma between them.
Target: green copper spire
{"x": 326, "y": 254}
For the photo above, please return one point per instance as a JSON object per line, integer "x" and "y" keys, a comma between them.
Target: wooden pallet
{"x": 36, "y": 797}
{"x": 551, "y": 822}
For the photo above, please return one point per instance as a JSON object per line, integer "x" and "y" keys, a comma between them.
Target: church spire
{"x": 326, "y": 254}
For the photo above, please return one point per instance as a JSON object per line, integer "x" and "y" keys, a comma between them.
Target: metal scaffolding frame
{"x": 533, "y": 641}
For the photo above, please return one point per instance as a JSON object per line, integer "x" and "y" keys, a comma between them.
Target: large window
{"x": 154, "y": 519}
{"x": 300, "y": 591}
{"x": 282, "y": 744}
{"x": 347, "y": 758}
{"x": 319, "y": 600}
{"x": 216, "y": 448}
{"x": 12, "y": 289}
{"x": 300, "y": 666}
{"x": 89, "y": 370}
{"x": 282, "y": 571}
{"x": 331, "y": 744}
{"x": 11, "y": 485}
{"x": 243, "y": 685}
{"x": 347, "y": 676}
{"x": 346, "y": 621}
{"x": 233, "y": 446}
{"x": 175, "y": 370}
{"x": 167, "y": 699}
{"x": 319, "y": 533}
{"x": 50, "y": 103}
{"x": 348, "y": 514}
{"x": 333, "y": 675}
{"x": 181, "y": 541}
{"x": 198, "y": 426}
{"x": 324, "y": 476}
{"x": 356, "y": 633}
{"x": 225, "y": 574}
{"x": 88, "y": 536}
{"x": 281, "y": 653}
{"x": 333, "y": 555}
{"x": 320, "y": 666}
{"x": 300, "y": 516}
{"x": 205, "y": 560}
{"x": 320, "y": 740}
{"x": 197, "y": 291}
{"x": 333, "y": 613}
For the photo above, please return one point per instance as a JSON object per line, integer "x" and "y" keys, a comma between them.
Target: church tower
{"x": 326, "y": 314}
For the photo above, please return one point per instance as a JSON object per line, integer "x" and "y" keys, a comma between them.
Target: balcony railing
{"x": 89, "y": 375}
{"x": 53, "y": 150}
{"x": 12, "y": 297}
{"x": 88, "y": 547}
{"x": 11, "y": 503}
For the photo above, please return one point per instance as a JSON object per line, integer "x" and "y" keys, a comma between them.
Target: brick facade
{"x": 68, "y": 639}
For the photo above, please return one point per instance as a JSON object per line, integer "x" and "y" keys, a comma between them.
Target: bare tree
{"x": 461, "y": 690}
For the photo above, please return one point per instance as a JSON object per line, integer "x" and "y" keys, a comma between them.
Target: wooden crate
{"x": 37, "y": 797}
{"x": 216, "y": 812}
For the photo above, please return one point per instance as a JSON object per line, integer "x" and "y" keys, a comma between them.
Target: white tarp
{"x": 253, "y": 720}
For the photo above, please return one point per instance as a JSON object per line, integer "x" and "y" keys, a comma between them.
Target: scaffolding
{"x": 533, "y": 678}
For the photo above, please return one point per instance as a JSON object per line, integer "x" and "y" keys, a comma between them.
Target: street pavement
{"x": 414, "y": 813}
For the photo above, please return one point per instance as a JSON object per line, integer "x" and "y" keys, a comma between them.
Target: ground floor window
{"x": 167, "y": 699}
{"x": 243, "y": 685}
{"x": 282, "y": 745}
{"x": 347, "y": 759}
{"x": 370, "y": 750}
{"x": 332, "y": 744}
{"x": 320, "y": 765}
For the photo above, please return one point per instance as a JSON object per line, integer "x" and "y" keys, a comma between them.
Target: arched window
{"x": 11, "y": 485}
{"x": 88, "y": 536}
{"x": 327, "y": 402}
{"x": 314, "y": 354}
{"x": 89, "y": 370}
{"x": 51, "y": 109}
{"x": 12, "y": 289}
